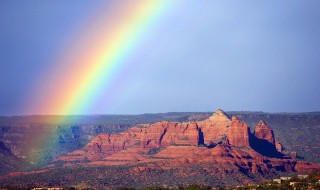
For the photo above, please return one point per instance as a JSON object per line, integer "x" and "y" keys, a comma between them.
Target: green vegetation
{"x": 195, "y": 187}
{"x": 295, "y": 183}
{"x": 189, "y": 187}
{"x": 115, "y": 182}
{"x": 154, "y": 151}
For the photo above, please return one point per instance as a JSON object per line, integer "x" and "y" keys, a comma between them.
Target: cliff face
{"x": 218, "y": 140}
{"x": 263, "y": 141}
{"x": 238, "y": 133}
{"x": 262, "y": 131}
{"x": 214, "y": 129}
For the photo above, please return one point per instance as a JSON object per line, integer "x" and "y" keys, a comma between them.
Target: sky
{"x": 192, "y": 56}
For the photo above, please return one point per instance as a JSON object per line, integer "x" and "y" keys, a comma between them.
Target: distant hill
{"x": 299, "y": 132}
{"x": 218, "y": 151}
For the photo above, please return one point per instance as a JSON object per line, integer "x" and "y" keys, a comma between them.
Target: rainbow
{"x": 92, "y": 65}
{"x": 90, "y": 69}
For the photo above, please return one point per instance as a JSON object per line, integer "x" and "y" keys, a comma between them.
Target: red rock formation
{"x": 173, "y": 144}
{"x": 303, "y": 166}
{"x": 218, "y": 128}
{"x": 262, "y": 131}
{"x": 238, "y": 133}
{"x": 294, "y": 154}
{"x": 168, "y": 133}
{"x": 152, "y": 136}
{"x": 183, "y": 147}
{"x": 161, "y": 134}
{"x": 215, "y": 128}
{"x": 279, "y": 146}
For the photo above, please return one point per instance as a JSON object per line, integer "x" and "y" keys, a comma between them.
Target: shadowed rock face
{"x": 263, "y": 141}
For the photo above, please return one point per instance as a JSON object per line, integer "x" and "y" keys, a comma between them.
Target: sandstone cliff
{"x": 238, "y": 133}
{"x": 262, "y": 131}
{"x": 224, "y": 142}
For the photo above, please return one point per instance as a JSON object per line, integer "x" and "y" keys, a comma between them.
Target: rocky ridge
{"x": 226, "y": 143}
{"x": 216, "y": 151}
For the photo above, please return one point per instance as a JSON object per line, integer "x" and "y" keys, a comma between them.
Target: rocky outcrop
{"x": 279, "y": 146}
{"x": 26, "y": 136}
{"x": 168, "y": 133}
{"x": 181, "y": 134}
{"x": 238, "y": 133}
{"x": 227, "y": 145}
{"x": 219, "y": 117}
{"x": 215, "y": 128}
{"x": 145, "y": 140}
{"x": 263, "y": 141}
{"x": 161, "y": 134}
{"x": 264, "y": 132}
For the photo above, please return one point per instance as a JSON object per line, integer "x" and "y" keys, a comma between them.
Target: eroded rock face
{"x": 161, "y": 134}
{"x": 263, "y": 131}
{"x": 238, "y": 133}
{"x": 215, "y": 128}
{"x": 169, "y": 133}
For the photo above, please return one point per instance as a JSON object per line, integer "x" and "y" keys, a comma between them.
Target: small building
{"x": 293, "y": 183}
{"x": 285, "y": 178}
{"x": 277, "y": 180}
{"x": 302, "y": 176}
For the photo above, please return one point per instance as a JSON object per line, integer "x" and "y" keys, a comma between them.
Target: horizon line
{"x": 154, "y": 113}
